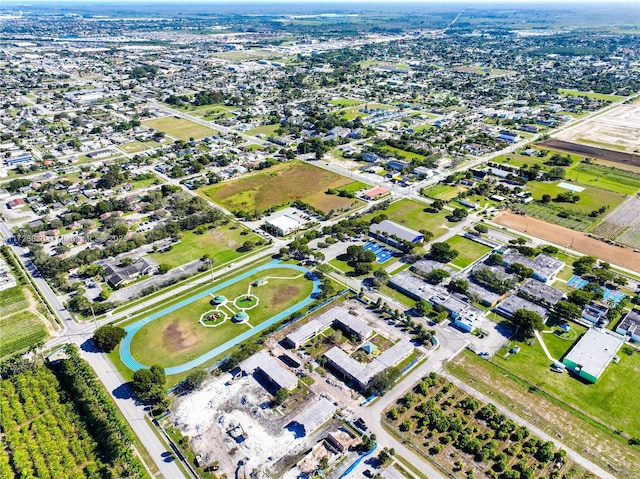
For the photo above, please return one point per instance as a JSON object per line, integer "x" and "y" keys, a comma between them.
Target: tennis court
{"x": 577, "y": 282}
{"x": 382, "y": 254}
{"x": 609, "y": 296}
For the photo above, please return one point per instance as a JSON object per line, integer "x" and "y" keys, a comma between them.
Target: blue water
{"x": 132, "y": 329}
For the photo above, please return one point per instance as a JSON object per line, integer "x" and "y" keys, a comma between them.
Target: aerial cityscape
{"x": 301, "y": 240}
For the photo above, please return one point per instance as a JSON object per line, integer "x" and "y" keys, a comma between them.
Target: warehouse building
{"x": 314, "y": 416}
{"x": 394, "y": 234}
{"x": 283, "y": 225}
{"x": 591, "y": 355}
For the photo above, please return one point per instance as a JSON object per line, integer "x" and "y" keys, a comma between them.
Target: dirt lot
{"x": 593, "y": 152}
{"x": 562, "y": 237}
{"x": 616, "y": 129}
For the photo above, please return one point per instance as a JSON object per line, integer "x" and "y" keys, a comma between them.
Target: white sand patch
{"x": 207, "y": 415}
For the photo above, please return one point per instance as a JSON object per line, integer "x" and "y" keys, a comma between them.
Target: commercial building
{"x": 630, "y": 325}
{"x": 544, "y": 267}
{"x": 335, "y": 316}
{"x": 277, "y": 375}
{"x": 362, "y": 373}
{"x": 590, "y": 356}
{"x": 513, "y": 303}
{"x": 314, "y": 416}
{"x": 375, "y": 193}
{"x": 392, "y": 233}
{"x": 539, "y": 292}
{"x": 283, "y": 225}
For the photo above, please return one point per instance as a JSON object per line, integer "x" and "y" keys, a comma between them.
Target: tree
{"x": 481, "y": 228}
{"x": 108, "y": 337}
{"x": 458, "y": 286}
{"x": 437, "y": 276}
{"x": 580, "y": 297}
{"x": 422, "y": 307}
{"x": 281, "y": 396}
{"x": 362, "y": 268}
{"x": 521, "y": 270}
{"x": 163, "y": 268}
{"x": 148, "y": 384}
{"x": 527, "y": 322}
{"x": 382, "y": 381}
{"x": 566, "y": 310}
{"x": 458, "y": 214}
{"x": 195, "y": 379}
{"x": 442, "y": 252}
{"x": 381, "y": 275}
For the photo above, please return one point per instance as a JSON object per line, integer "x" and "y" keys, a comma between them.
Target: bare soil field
{"x": 617, "y": 129}
{"x": 593, "y": 152}
{"x": 562, "y": 237}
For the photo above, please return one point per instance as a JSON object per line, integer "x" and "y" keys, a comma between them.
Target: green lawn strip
{"x": 164, "y": 441}
{"x": 398, "y": 296}
{"x": 468, "y": 250}
{"x": 410, "y": 213}
{"x": 591, "y": 95}
{"x": 178, "y": 336}
{"x": 610, "y": 400}
{"x": 407, "y": 465}
{"x": 516, "y": 394}
{"x": 220, "y": 244}
{"x": 345, "y": 102}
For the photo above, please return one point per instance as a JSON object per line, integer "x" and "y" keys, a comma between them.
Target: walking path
{"x": 544, "y": 346}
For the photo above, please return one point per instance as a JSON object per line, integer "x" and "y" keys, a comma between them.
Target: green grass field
{"x": 344, "y": 102}
{"x": 411, "y": 214}
{"x": 468, "y": 251}
{"x": 280, "y": 185}
{"x": 180, "y": 128}
{"x": 19, "y": 331}
{"x": 591, "y": 95}
{"x": 611, "y": 399}
{"x": 590, "y": 199}
{"x": 134, "y": 147}
{"x": 220, "y": 243}
{"x": 178, "y": 337}
{"x": 618, "y": 181}
{"x": 402, "y": 154}
{"x": 268, "y": 130}
{"x": 443, "y": 192}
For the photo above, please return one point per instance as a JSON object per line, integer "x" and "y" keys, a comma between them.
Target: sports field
{"x": 411, "y": 214}
{"x": 468, "y": 251}
{"x": 220, "y": 243}
{"x": 443, "y": 192}
{"x": 178, "y": 336}
{"x": 282, "y": 184}
{"x": 180, "y": 128}
{"x": 564, "y": 237}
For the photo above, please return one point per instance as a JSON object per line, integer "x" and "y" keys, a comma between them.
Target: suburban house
{"x": 120, "y": 275}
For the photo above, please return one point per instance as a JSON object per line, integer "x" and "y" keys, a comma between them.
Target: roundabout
{"x": 191, "y": 332}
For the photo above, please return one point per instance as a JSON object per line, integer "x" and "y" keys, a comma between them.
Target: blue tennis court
{"x": 382, "y": 254}
{"x": 577, "y": 282}
{"x": 612, "y": 296}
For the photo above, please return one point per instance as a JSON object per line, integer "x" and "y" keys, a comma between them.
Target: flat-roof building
{"x": 595, "y": 312}
{"x": 353, "y": 326}
{"x": 630, "y": 325}
{"x": 590, "y": 356}
{"x": 347, "y": 321}
{"x": 539, "y": 292}
{"x": 284, "y": 225}
{"x": 411, "y": 285}
{"x": 271, "y": 368}
{"x": 513, "y": 303}
{"x": 393, "y": 233}
{"x": 544, "y": 267}
{"x": 375, "y": 193}
{"x": 312, "y": 418}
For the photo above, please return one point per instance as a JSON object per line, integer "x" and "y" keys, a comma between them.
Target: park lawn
{"x": 340, "y": 262}
{"x": 443, "y": 192}
{"x": 410, "y": 213}
{"x": 268, "y": 130}
{"x": 610, "y": 179}
{"x": 590, "y": 199}
{"x": 220, "y": 244}
{"x": 590, "y": 95}
{"x": 180, "y": 128}
{"x": 19, "y": 331}
{"x": 280, "y": 185}
{"x": 345, "y": 102}
{"x": 468, "y": 251}
{"x": 178, "y": 337}
{"x": 611, "y": 399}
{"x": 402, "y": 154}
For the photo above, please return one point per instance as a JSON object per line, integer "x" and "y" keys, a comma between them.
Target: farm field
{"x": 623, "y": 158}
{"x": 279, "y": 186}
{"x": 220, "y": 243}
{"x": 562, "y": 237}
{"x": 180, "y": 128}
{"x": 19, "y": 331}
{"x": 44, "y": 434}
{"x": 468, "y": 438}
{"x": 411, "y": 214}
{"x": 622, "y": 225}
{"x": 468, "y": 251}
{"x": 607, "y": 178}
{"x": 179, "y": 337}
{"x": 552, "y": 415}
